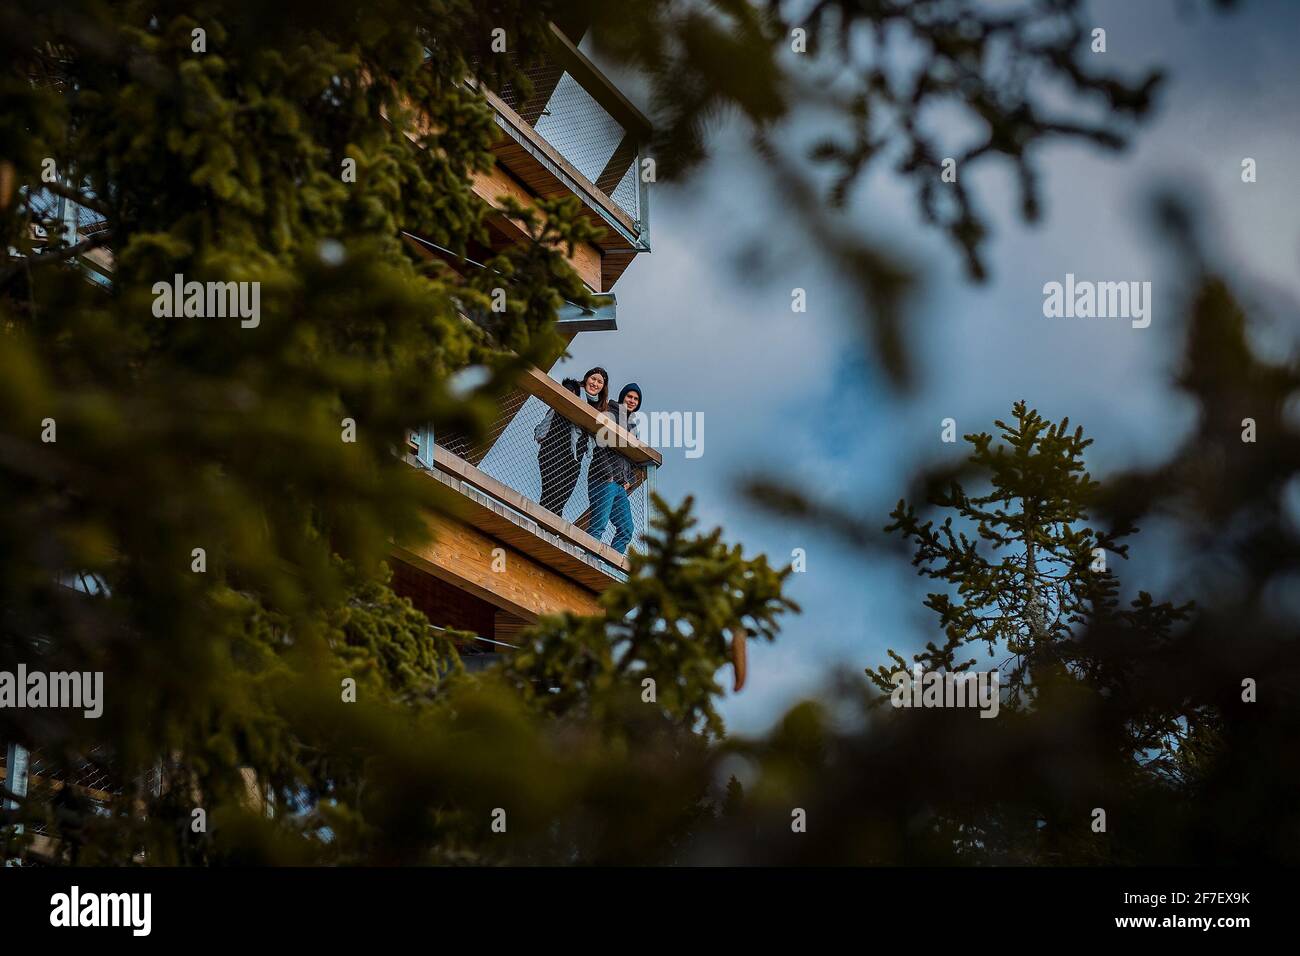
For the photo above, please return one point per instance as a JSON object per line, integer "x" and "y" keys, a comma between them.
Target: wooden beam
{"x": 561, "y": 555}
{"x": 572, "y": 22}
{"x": 464, "y": 556}
{"x": 525, "y": 589}
{"x": 577, "y": 411}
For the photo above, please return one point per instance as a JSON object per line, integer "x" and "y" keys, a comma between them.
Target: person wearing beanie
{"x": 630, "y": 397}
{"x": 612, "y": 476}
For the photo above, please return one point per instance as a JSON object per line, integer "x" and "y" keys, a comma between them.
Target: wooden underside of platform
{"x": 494, "y": 571}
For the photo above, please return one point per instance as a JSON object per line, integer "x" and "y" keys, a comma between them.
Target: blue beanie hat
{"x": 631, "y": 387}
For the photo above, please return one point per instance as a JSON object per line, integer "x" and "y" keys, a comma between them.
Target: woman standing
{"x": 562, "y": 445}
{"x": 612, "y": 476}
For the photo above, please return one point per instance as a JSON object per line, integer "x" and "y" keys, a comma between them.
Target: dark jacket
{"x": 553, "y": 425}
{"x": 608, "y": 463}
{"x": 624, "y": 471}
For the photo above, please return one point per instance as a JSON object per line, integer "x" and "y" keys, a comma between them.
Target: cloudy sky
{"x": 787, "y": 393}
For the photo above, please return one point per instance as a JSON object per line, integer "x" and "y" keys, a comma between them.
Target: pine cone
{"x": 738, "y": 655}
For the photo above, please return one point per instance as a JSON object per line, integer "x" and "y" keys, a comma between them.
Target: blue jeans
{"x": 609, "y": 501}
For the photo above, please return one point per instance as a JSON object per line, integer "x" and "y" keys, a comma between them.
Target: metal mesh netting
{"x": 577, "y": 126}
{"x": 582, "y": 131}
{"x": 627, "y": 194}
{"x": 92, "y": 775}
{"x": 513, "y": 456}
{"x": 49, "y": 206}
{"x": 93, "y": 771}
{"x": 543, "y": 76}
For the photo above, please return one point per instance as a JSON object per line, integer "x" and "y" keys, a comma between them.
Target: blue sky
{"x": 787, "y": 393}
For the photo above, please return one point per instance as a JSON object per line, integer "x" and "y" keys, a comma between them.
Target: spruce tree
{"x": 690, "y": 606}
{"x": 1023, "y": 567}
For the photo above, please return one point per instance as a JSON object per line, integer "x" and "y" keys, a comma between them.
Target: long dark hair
{"x": 603, "y": 404}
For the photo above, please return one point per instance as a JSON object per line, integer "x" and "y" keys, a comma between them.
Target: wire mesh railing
{"x": 568, "y": 117}
{"x": 92, "y": 775}
{"x": 93, "y": 772}
{"x": 565, "y": 468}
{"x": 48, "y": 206}
{"x": 589, "y": 138}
